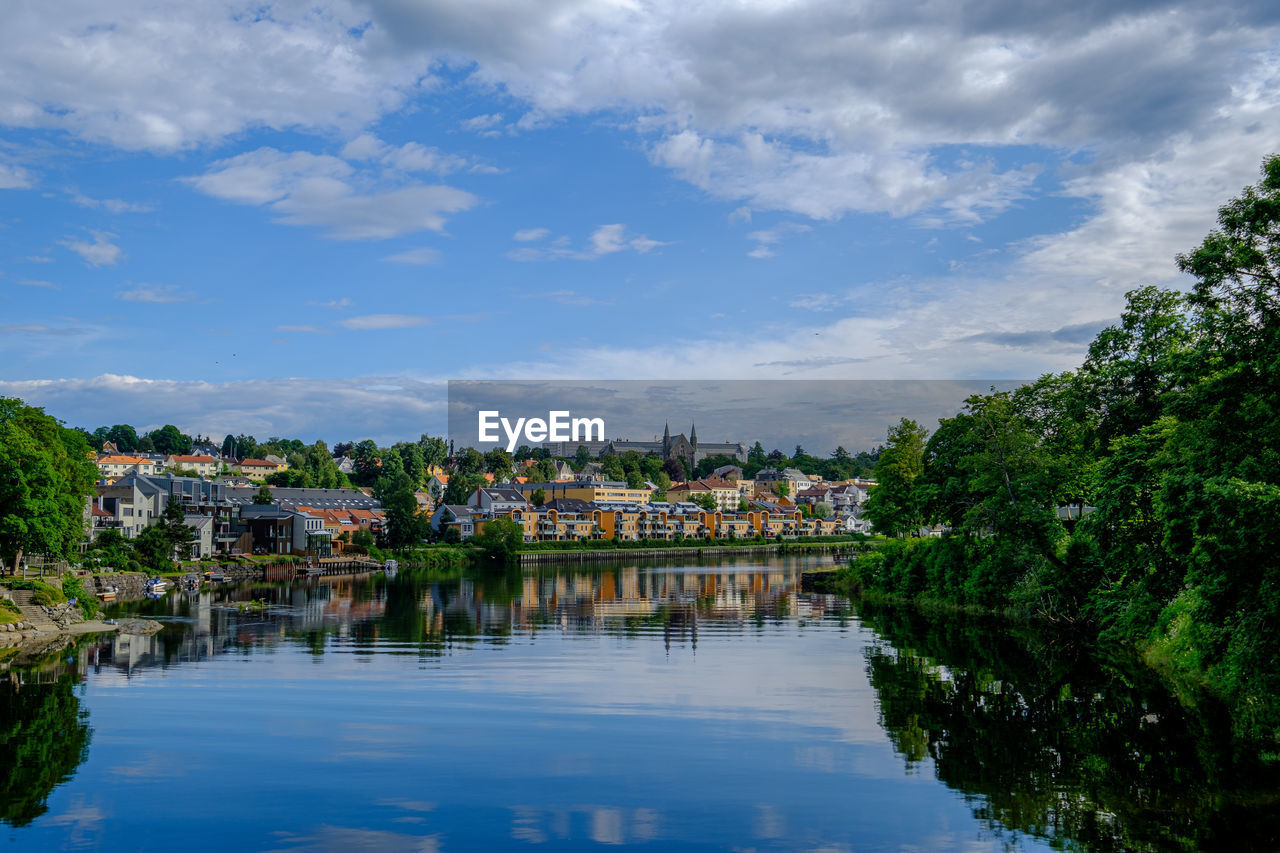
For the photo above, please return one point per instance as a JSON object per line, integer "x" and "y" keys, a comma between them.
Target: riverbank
{"x": 587, "y": 552}
{"x": 955, "y": 578}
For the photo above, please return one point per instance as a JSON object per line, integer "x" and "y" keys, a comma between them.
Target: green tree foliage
{"x": 499, "y": 463}
{"x": 1171, "y": 429}
{"x": 894, "y": 506}
{"x": 123, "y": 436}
{"x": 46, "y": 475}
{"x": 368, "y": 461}
{"x": 582, "y": 456}
{"x": 469, "y": 461}
{"x": 170, "y": 440}
{"x": 539, "y": 497}
{"x": 462, "y": 486}
{"x": 44, "y": 737}
{"x": 500, "y": 540}
{"x": 412, "y": 462}
{"x": 264, "y": 496}
{"x": 404, "y": 526}
{"x": 435, "y": 451}
{"x": 706, "y": 500}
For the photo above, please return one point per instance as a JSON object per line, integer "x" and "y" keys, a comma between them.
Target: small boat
{"x": 156, "y": 585}
{"x": 215, "y": 577}
{"x": 108, "y": 594}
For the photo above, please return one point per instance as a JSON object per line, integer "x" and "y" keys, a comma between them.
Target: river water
{"x": 711, "y": 707}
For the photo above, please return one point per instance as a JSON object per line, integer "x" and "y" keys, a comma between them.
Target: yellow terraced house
{"x": 588, "y": 490}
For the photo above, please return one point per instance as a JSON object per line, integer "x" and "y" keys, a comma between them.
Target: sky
{"x": 303, "y": 218}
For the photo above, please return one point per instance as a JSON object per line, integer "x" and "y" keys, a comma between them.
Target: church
{"x": 671, "y": 446}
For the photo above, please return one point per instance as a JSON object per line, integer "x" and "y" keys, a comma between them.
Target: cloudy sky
{"x": 300, "y": 217}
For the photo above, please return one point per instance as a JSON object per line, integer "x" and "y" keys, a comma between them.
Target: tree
{"x": 154, "y": 547}
{"x": 706, "y": 500}
{"x": 46, "y": 475}
{"x": 264, "y": 497}
{"x": 124, "y": 437}
{"x": 469, "y": 461}
{"x": 582, "y": 456}
{"x": 368, "y": 461}
{"x": 461, "y": 487}
{"x": 822, "y": 509}
{"x": 500, "y": 540}
{"x": 173, "y": 525}
{"x": 170, "y": 440}
{"x": 538, "y": 498}
{"x": 435, "y": 451}
{"x": 499, "y": 463}
{"x": 674, "y": 468}
{"x": 611, "y": 466}
{"x": 893, "y": 507}
{"x": 412, "y": 461}
{"x": 404, "y": 525}
{"x": 781, "y": 489}
{"x": 756, "y": 455}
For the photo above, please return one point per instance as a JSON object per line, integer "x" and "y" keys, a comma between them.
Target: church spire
{"x": 693, "y": 435}
{"x": 666, "y": 438}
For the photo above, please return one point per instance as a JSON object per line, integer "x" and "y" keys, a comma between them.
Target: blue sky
{"x": 300, "y": 218}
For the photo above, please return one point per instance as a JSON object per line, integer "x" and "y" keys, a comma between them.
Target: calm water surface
{"x": 711, "y": 707}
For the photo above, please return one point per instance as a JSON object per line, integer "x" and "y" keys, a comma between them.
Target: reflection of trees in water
{"x": 1050, "y": 740}
{"x": 44, "y": 736}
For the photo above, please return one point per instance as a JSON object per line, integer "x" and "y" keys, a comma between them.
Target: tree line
{"x": 1139, "y": 495}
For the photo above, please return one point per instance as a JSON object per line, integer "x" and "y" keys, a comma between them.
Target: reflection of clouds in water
{"x": 525, "y": 825}
{"x": 606, "y": 824}
{"x": 344, "y": 838}
{"x": 153, "y": 765}
{"x": 769, "y": 822}
{"x": 86, "y": 822}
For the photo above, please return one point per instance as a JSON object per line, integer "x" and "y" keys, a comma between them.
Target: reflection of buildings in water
{"x": 216, "y": 625}
{"x": 612, "y": 598}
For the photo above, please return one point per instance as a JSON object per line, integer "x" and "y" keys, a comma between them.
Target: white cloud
{"x": 567, "y": 297}
{"x": 165, "y": 75}
{"x": 100, "y": 253}
{"x": 765, "y": 239}
{"x": 605, "y": 240}
{"x": 15, "y": 177}
{"x": 485, "y": 125}
{"x": 415, "y": 257}
{"x": 409, "y": 157}
{"x": 344, "y": 302}
{"x": 31, "y": 282}
{"x": 305, "y": 330}
{"x": 111, "y": 205}
{"x": 155, "y": 293}
{"x": 374, "y": 322}
{"x": 323, "y": 191}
